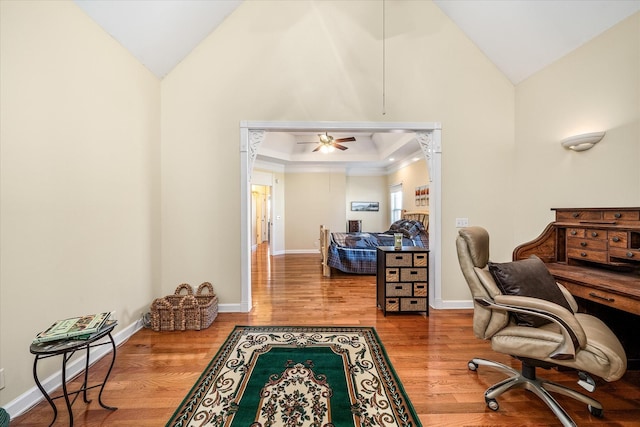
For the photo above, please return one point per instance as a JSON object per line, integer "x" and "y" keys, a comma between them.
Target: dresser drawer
{"x": 392, "y": 304}
{"x": 392, "y": 275}
{"x": 420, "y": 289}
{"x": 591, "y": 244}
{"x": 586, "y": 255}
{"x": 420, "y": 260}
{"x": 413, "y": 304}
{"x": 413, "y": 274}
{"x": 627, "y": 254}
{"x": 399, "y": 260}
{"x": 399, "y": 289}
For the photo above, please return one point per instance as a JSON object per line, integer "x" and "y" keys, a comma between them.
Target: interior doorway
{"x": 261, "y": 214}
{"x": 428, "y": 136}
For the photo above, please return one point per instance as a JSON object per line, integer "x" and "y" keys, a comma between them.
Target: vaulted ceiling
{"x": 519, "y": 37}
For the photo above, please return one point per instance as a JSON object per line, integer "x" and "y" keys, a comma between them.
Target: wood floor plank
{"x": 154, "y": 371}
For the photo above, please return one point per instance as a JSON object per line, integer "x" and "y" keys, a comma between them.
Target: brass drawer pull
{"x": 575, "y": 214}
{"x": 617, "y": 215}
{"x": 583, "y": 254}
{"x": 629, "y": 254}
{"x": 594, "y": 234}
{"x": 616, "y": 239}
{"x": 594, "y": 295}
{"x": 574, "y": 232}
{"x": 583, "y": 244}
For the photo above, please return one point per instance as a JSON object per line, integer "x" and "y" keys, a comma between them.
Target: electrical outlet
{"x": 1, "y": 378}
{"x": 462, "y": 222}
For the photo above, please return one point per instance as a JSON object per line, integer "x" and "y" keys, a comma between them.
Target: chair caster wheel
{"x": 596, "y": 412}
{"x": 492, "y": 404}
{"x": 472, "y": 366}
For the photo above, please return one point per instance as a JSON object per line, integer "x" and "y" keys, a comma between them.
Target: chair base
{"x": 527, "y": 379}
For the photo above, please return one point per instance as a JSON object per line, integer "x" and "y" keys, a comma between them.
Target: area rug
{"x": 268, "y": 376}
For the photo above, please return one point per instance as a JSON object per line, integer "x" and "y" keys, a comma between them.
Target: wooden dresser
{"x": 595, "y": 254}
{"x": 402, "y": 279}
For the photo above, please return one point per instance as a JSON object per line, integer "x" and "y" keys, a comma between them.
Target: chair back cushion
{"x": 473, "y": 254}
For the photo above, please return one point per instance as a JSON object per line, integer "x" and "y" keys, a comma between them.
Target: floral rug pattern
{"x": 272, "y": 376}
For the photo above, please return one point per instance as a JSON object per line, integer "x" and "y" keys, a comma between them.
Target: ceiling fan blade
{"x": 349, "y": 139}
{"x": 308, "y": 142}
{"x": 340, "y": 147}
{"x": 317, "y": 148}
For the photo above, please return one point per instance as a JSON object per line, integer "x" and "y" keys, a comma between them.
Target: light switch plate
{"x": 462, "y": 222}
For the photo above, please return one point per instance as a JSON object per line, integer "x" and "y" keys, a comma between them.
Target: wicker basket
{"x": 208, "y": 304}
{"x": 185, "y": 311}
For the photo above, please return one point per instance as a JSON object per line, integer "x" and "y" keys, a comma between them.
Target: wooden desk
{"x": 595, "y": 254}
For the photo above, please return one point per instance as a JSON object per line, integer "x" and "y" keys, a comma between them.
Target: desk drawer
{"x": 590, "y": 244}
{"x": 610, "y": 299}
{"x": 622, "y": 215}
{"x": 618, "y": 239}
{"x": 622, "y": 253}
{"x": 578, "y": 215}
{"x": 587, "y": 255}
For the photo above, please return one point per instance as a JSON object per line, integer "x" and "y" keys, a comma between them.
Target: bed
{"x": 356, "y": 252}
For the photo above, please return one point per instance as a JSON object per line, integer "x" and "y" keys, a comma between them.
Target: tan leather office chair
{"x": 566, "y": 338}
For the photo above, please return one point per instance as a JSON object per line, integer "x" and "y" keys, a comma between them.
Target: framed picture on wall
{"x": 365, "y": 206}
{"x": 422, "y": 195}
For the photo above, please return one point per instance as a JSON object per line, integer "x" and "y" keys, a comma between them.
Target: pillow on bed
{"x": 411, "y": 228}
{"x": 396, "y": 226}
{"x": 528, "y": 278}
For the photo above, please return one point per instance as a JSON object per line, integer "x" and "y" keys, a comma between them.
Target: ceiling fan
{"x": 328, "y": 143}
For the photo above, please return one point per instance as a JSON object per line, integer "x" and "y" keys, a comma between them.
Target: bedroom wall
{"x": 79, "y": 179}
{"x": 414, "y": 175}
{"x": 285, "y": 57}
{"x": 594, "y": 88}
{"x": 368, "y": 189}
{"x": 312, "y": 199}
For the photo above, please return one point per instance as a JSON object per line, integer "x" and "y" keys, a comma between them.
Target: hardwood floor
{"x": 154, "y": 371}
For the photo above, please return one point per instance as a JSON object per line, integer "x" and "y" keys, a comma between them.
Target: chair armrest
{"x": 573, "y": 335}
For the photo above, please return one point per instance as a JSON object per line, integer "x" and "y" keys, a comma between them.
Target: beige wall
{"x": 282, "y": 61}
{"x": 594, "y": 88}
{"x": 368, "y": 189}
{"x": 79, "y": 179}
{"x": 312, "y": 199}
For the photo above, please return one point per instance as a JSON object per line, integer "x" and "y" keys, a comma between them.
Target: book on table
{"x": 73, "y": 327}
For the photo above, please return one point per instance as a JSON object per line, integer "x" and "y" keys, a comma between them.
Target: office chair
{"x": 520, "y": 308}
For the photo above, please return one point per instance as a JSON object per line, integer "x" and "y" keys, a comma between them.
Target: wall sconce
{"x": 582, "y": 142}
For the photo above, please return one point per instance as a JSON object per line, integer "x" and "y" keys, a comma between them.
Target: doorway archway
{"x": 428, "y": 136}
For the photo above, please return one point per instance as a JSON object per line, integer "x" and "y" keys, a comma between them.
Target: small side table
{"x": 66, "y": 348}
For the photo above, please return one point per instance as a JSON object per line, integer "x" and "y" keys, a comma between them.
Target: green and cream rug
{"x": 268, "y": 376}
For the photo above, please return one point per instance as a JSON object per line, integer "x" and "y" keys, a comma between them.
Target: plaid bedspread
{"x": 356, "y": 252}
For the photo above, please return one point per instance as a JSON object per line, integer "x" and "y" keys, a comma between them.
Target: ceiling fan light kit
{"x": 329, "y": 144}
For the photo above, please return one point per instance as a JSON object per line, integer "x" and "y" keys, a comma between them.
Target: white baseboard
{"x": 452, "y": 304}
{"x": 33, "y": 396}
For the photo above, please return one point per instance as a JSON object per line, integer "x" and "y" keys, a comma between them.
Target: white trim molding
{"x": 428, "y": 135}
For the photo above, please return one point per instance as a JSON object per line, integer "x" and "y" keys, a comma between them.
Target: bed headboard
{"x": 422, "y": 216}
